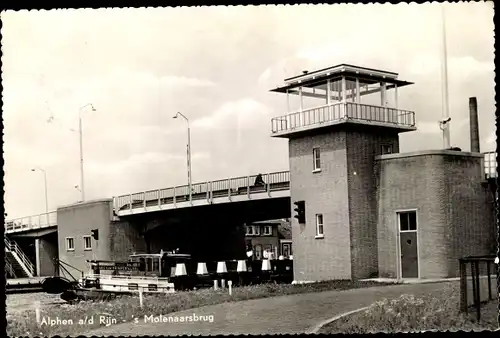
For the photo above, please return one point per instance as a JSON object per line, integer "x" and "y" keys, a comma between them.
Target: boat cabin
{"x": 143, "y": 264}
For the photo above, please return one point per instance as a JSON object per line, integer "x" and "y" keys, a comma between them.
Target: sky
{"x": 216, "y": 65}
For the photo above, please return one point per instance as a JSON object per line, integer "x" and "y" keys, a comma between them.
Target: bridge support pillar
{"x": 46, "y": 249}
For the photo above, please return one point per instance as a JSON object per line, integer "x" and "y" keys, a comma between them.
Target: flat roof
{"x": 320, "y": 77}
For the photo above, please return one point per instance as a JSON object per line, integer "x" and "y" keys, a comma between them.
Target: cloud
{"x": 242, "y": 114}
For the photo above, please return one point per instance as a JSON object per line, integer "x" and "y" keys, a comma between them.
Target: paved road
{"x": 285, "y": 314}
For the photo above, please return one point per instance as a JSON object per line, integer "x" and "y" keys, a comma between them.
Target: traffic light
{"x": 300, "y": 211}
{"x": 95, "y": 234}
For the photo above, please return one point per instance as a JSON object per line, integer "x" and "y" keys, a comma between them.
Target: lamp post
{"x": 82, "y": 186}
{"x": 46, "y": 193}
{"x": 188, "y": 154}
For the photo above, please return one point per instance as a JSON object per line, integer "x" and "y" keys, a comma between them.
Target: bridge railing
{"x": 204, "y": 191}
{"x": 40, "y": 221}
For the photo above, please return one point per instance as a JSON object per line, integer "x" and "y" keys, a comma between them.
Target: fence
{"x": 479, "y": 265}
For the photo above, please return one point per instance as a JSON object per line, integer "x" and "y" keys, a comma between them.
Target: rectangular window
{"x": 268, "y": 230}
{"x": 87, "y": 243}
{"x": 408, "y": 221}
{"x": 386, "y": 149}
{"x": 316, "y": 159}
{"x": 256, "y": 230}
{"x": 319, "y": 225}
{"x": 70, "y": 244}
{"x": 249, "y": 230}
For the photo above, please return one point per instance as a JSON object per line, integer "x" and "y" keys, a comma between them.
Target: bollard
{"x": 221, "y": 267}
{"x": 37, "y": 311}
{"x": 202, "y": 269}
{"x": 215, "y": 285}
{"x": 140, "y": 298}
{"x": 230, "y": 284}
{"x": 223, "y": 284}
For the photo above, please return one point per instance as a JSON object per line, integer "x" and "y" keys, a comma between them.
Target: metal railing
{"x": 204, "y": 191}
{"x": 44, "y": 220}
{"x": 479, "y": 265}
{"x": 9, "y": 270}
{"x": 14, "y": 248}
{"x": 343, "y": 111}
{"x": 490, "y": 164}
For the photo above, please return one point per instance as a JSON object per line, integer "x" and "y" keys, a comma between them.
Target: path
{"x": 285, "y": 314}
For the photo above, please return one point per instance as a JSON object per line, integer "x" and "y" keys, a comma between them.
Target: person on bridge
{"x": 259, "y": 181}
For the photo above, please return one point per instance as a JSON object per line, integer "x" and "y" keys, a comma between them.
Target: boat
{"x": 162, "y": 273}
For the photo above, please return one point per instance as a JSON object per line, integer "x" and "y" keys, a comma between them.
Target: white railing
{"x": 490, "y": 164}
{"x": 204, "y": 191}
{"x": 14, "y": 248}
{"x": 343, "y": 111}
{"x": 41, "y": 221}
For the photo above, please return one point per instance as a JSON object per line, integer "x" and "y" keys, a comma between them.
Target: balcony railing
{"x": 342, "y": 112}
{"x": 204, "y": 191}
{"x": 41, "y": 221}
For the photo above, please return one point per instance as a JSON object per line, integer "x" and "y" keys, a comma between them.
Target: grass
{"x": 410, "y": 314}
{"x": 126, "y": 308}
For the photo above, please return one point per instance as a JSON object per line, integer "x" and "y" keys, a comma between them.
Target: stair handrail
{"x": 10, "y": 270}
{"x": 12, "y": 246}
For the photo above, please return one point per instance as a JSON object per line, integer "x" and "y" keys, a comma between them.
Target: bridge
{"x": 237, "y": 189}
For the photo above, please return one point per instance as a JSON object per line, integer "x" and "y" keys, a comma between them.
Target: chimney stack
{"x": 474, "y": 125}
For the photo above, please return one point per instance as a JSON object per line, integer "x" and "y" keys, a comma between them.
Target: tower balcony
{"x": 342, "y": 112}
{"x": 349, "y": 95}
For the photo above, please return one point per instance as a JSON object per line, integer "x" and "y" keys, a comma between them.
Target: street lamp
{"x": 188, "y": 153}
{"x": 82, "y": 186}
{"x": 46, "y": 194}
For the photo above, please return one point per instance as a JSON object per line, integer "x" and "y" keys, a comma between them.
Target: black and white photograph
{"x": 272, "y": 169}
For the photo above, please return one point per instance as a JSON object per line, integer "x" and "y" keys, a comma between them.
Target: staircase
{"x": 17, "y": 263}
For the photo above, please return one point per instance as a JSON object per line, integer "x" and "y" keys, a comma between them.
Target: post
{"x": 174, "y": 199}
{"x": 215, "y": 285}
{"x": 46, "y": 197}
{"x": 140, "y": 298}
{"x": 159, "y": 198}
{"x": 230, "y": 284}
{"x": 37, "y": 311}
{"x": 343, "y": 98}
{"x": 357, "y": 91}
{"x": 328, "y": 92}
{"x": 301, "y": 100}
{"x": 189, "y": 163}
{"x": 446, "y": 114}
{"x": 82, "y": 186}
{"x": 478, "y": 292}
{"x": 463, "y": 286}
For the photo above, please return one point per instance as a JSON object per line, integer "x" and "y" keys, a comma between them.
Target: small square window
{"x": 70, "y": 244}
{"x": 87, "y": 243}
{"x": 268, "y": 230}
{"x": 316, "y": 159}
{"x": 319, "y": 225}
{"x": 386, "y": 149}
{"x": 408, "y": 221}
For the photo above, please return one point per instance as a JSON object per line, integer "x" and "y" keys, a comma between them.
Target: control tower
{"x": 333, "y": 171}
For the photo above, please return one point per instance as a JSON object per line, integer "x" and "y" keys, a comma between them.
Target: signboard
{"x": 118, "y": 266}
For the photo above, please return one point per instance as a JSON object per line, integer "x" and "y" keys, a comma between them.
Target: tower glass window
{"x": 316, "y": 159}
{"x": 319, "y": 225}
